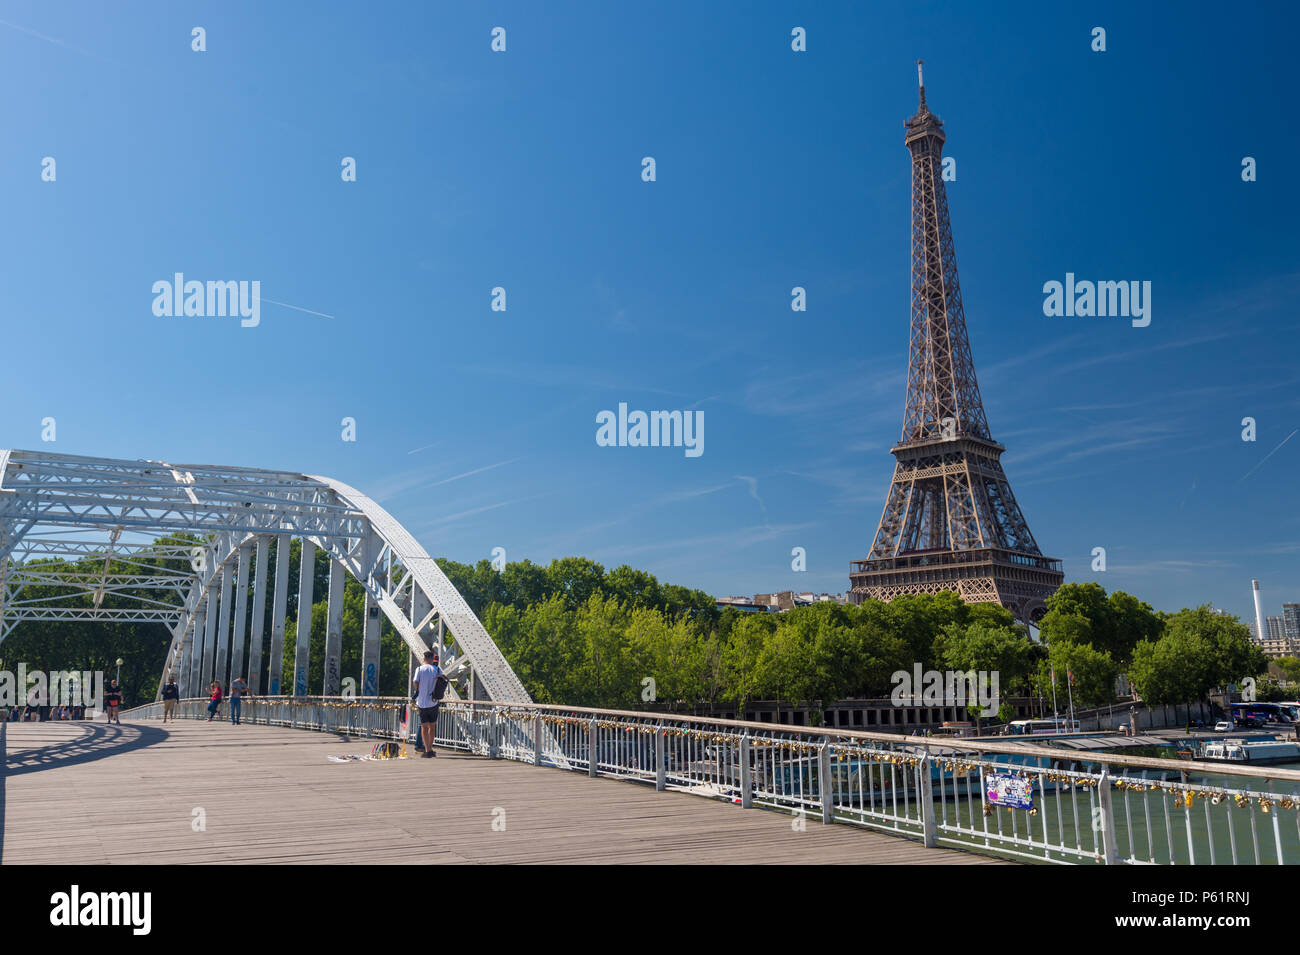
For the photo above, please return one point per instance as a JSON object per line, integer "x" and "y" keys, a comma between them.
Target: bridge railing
{"x": 1015, "y": 799}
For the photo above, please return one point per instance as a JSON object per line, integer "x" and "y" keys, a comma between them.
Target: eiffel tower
{"x": 950, "y": 520}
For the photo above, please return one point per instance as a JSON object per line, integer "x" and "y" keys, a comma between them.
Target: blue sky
{"x": 523, "y": 170}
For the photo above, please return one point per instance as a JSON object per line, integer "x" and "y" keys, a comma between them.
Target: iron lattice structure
{"x": 60, "y": 514}
{"x": 950, "y": 521}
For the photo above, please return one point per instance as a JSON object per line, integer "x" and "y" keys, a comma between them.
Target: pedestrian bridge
{"x": 195, "y": 792}
{"x": 524, "y": 782}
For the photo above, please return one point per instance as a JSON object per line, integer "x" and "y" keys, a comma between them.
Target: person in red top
{"x": 114, "y": 700}
{"x": 214, "y": 704}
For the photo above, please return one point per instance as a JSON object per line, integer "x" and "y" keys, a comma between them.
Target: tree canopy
{"x": 578, "y": 634}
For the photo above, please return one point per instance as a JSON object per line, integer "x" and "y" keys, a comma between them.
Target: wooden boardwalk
{"x": 83, "y": 793}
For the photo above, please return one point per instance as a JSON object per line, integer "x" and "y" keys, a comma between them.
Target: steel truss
{"x": 950, "y": 520}
{"x": 58, "y": 512}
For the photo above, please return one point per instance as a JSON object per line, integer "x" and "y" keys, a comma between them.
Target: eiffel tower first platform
{"x": 950, "y": 521}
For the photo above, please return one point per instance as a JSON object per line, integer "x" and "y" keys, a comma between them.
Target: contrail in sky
{"x": 296, "y": 307}
{"x": 1267, "y": 456}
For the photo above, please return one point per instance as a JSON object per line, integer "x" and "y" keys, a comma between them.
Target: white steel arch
{"x": 55, "y": 506}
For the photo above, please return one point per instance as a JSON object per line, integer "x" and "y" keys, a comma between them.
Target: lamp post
{"x": 119, "y": 671}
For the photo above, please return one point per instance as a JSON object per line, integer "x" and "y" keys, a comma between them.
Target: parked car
{"x": 1224, "y": 726}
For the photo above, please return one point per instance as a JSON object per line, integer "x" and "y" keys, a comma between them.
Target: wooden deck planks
{"x": 82, "y": 793}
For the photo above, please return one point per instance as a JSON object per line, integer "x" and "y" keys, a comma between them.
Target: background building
{"x": 1282, "y": 634}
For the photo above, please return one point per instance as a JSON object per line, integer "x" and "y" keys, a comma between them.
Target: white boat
{"x": 1254, "y": 752}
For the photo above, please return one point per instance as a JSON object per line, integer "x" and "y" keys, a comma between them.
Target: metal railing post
{"x": 537, "y": 739}
{"x": 1106, "y": 818}
{"x": 593, "y": 759}
{"x": 746, "y": 775}
{"x": 925, "y": 793}
{"x": 824, "y": 782}
{"x": 494, "y": 730}
{"x": 661, "y": 768}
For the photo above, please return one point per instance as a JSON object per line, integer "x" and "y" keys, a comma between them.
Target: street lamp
{"x": 119, "y": 671}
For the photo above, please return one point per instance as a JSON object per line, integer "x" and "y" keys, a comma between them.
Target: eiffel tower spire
{"x": 942, "y": 391}
{"x": 950, "y": 521}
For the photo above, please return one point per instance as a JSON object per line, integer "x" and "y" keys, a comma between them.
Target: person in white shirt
{"x": 427, "y": 699}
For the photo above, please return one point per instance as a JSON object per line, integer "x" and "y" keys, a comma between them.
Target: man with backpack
{"x": 171, "y": 694}
{"x": 429, "y": 686}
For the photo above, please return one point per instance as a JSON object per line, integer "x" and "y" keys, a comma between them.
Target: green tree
{"x": 1174, "y": 669}
{"x": 918, "y": 619}
{"x": 576, "y": 578}
{"x": 608, "y": 674}
{"x": 633, "y": 588}
{"x": 1003, "y": 650}
{"x": 740, "y": 656}
{"x": 525, "y": 583}
{"x": 1269, "y": 691}
{"x": 671, "y": 653}
{"x": 1094, "y": 674}
{"x": 785, "y": 668}
{"x": 1232, "y": 654}
{"x": 1082, "y": 613}
{"x": 1290, "y": 666}
{"x": 546, "y": 651}
{"x": 1131, "y": 622}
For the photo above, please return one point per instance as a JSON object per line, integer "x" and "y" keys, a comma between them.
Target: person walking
{"x": 171, "y": 694}
{"x": 238, "y": 690}
{"x": 214, "y": 702}
{"x": 112, "y": 701}
{"x": 429, "y": 685}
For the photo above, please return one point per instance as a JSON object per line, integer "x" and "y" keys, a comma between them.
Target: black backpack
{"x": 439, "y": 687}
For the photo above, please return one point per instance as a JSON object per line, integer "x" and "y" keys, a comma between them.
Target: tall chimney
{"x": 1261, "y": 633}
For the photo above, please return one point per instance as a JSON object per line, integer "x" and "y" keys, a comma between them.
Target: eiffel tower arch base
{"x": 1019, "y": 582}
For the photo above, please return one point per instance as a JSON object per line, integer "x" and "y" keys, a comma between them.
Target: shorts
{"x": 429, "y": 714}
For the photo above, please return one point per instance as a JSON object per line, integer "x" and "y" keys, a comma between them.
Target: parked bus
{"x": 1261, "y": 714}
{"x": 1040, "y": 727}
{"x": 1291, "y": 709}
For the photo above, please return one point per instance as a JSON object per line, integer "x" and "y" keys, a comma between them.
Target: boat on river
{"x": 1254, "y": 752}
